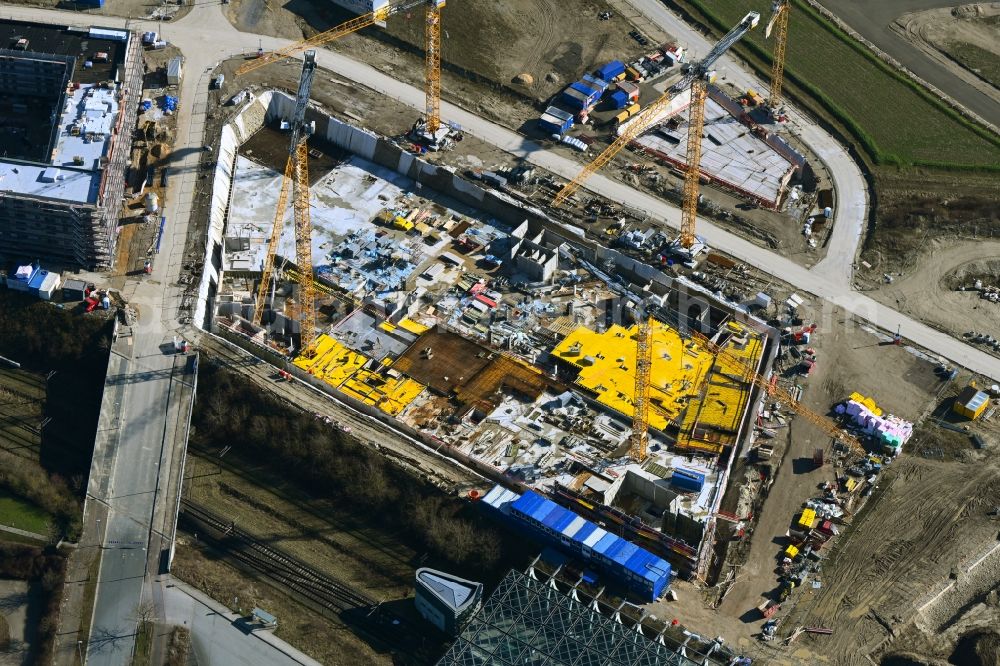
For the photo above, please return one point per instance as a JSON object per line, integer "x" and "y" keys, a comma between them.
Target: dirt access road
{"x": 873, "y": 21}
{"x": 929, "y": 292}
{"x": 925, "y": 518}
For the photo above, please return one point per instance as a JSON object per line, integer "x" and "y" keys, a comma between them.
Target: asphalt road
{"x": 872, "y": 19}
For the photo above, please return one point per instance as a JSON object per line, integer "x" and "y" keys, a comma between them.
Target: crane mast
{"x": 296, "y": 183}
{"x": 345, "y": 28}
{"x": 779, "y": 19}
{"x": 432, "y": 66}
{"x": 426, "y": 130}
{"x": 640, "y": 407}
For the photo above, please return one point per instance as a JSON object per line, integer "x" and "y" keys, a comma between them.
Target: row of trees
{"x": 72, "y": 350}
{"x": 326, "y": 463}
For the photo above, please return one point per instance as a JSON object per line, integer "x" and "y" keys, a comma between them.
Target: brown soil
{"x": 353, "y": 550}
{"x": 930, "y": 235}
{"x": 478, "y": 69}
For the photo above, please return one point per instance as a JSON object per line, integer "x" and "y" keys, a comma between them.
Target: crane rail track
{"x": 299, "y": 579}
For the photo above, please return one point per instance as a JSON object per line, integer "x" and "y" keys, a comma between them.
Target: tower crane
{"x": 696, "y": 78}
{"x": 640, "y": 406}
{"x": 429, "y": 130}
{"x": 781, "y": 395}
{"x": 779, "y": 19}
{"x": 296, "y": 183}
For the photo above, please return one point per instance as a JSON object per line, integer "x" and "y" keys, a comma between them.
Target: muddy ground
{"x": 931, "y": 237}
{"x": 151, "y": 150}
{"x": 850, "y": 358}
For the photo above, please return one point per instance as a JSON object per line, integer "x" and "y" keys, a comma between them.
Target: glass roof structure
{"x": 528, "y": 623}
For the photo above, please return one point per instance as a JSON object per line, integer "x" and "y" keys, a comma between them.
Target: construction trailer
{"x": 971, "y": 402}
{"x": 175, "y": 71}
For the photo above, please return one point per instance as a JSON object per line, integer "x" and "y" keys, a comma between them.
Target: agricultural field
{"x": 898, "y": 122}
{"x": 984, "y": 63}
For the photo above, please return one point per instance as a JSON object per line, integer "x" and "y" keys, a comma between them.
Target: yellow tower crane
{"x": 696, "y": 79}
{"x": 296, "y": 182}
{"x": 432, "y": 66}
{"x": 781, "y": 395}
{"x": 779, "y": 19}
{"x": 640, "y": 406}
{"x": 432, "y": 43}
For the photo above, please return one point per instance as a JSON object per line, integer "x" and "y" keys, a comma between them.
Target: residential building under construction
{"x": 68, "y": 101}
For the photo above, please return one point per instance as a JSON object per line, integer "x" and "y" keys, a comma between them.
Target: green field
{"x": 984, "y": 63}
{"x": 15, "y": 512}
{"x": 896, "y": 121}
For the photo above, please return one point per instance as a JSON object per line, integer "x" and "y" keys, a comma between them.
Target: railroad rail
{"x": 301, "y": 580}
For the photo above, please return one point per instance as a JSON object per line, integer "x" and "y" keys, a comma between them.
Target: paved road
{"x": 872, "y": 20}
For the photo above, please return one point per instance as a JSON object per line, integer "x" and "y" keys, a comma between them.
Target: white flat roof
{"x": 74, "y": 171}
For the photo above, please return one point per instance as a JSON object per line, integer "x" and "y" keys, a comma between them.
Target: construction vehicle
{"x": 696, "y": 79}
{"x": 428, "y": 131}
{"x": 296, "y": 183}
{"x": 747, "y": 374}
{"x": 779, "y": 19}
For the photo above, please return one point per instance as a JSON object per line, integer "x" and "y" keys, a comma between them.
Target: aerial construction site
{"x": 562, "y": 353}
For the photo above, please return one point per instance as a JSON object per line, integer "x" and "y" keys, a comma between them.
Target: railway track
{"x": 301, "y": 580}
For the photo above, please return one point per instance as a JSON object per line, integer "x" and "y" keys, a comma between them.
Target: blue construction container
{"x": 688, "y": 480}
{"x": 587, "y": 89}
{"x": 577, "y": 99}
{"x": 91, "y": 3}
{"x": 619, "y": 99}
{"x": 595, "y": 83}
{"x": 36, "y": 281}
{"x": 610, "y": 70}
{"x": 555, "y": 121}
{"x": 539, "y": 517}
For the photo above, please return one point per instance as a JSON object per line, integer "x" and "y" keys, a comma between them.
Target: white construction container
{"x": 174, "y": 71}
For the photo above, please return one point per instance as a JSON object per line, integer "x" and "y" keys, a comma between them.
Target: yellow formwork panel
{"x": 412, "y": 326}
{"x": 333, "y": 362}
{"x": 715, "y": 414}
{"x": 607, "y": 369}
{"x": 390, "y": 394}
